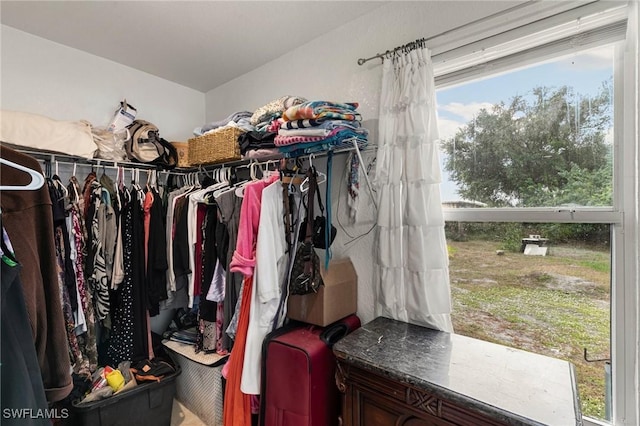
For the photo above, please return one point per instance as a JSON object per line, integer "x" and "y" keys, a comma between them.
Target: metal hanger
{"x": 37, "y": 179}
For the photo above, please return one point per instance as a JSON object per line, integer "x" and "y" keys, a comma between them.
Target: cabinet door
{"x": 373, "y": 409}
{"x": 372, "y": 400}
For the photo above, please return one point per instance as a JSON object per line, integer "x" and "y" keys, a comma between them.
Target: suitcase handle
{"x": 331, "y": 335}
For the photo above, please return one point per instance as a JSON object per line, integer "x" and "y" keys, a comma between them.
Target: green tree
{"x": 545, "y": 149}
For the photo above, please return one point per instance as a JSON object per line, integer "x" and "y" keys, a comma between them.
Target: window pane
{"x": 556, "y": 304}
{"x": 535, "y": 137}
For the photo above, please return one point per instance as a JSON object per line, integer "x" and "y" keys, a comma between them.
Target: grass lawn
{"x": 554, "y": 305}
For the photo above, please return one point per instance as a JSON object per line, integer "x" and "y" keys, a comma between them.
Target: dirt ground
{"x": 555, "y": 305}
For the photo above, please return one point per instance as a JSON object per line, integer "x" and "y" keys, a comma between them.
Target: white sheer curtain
{"x": 412, "y": 267}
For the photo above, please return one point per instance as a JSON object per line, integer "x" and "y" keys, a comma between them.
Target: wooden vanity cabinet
{"x": 373, "y": 400}
{"x": 392, "y": 373}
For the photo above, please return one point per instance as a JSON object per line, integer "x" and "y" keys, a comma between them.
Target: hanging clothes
{"x": 229, "y": 206}
{"x": 237, "y": 405}
{"x": 28, "y": 219}
{"x": 207, "y": 338}
{"x": 65, "y": 273}
{"x": 180, "y": 244}
{"x": 98, "y": 281}
{"x": 20, "y": 374}
{"x": 108, "y": 223}
{"x": 87, "y": 339}
{"x": 88, "y": 213}
{"x": 59, "y": 199}
{"x": 141, "y": 347}
{"x": 272, "y": 259}
{"x": 156, "y": 265}
{"x": 170, "y": 233}
{"x": 121, "y": 345}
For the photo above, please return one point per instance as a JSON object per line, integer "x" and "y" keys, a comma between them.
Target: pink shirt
{"x": 244, "y": 257}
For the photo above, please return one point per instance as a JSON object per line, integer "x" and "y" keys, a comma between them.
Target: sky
{"x": 457, "y": 105}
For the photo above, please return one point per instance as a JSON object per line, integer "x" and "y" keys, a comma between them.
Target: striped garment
{"x": 322, "y": 109}
{"x": 292, "y": 140}
{"x": 324, "y": 123}
{"x": 335, "y": 135}
{"x": 323, "y": 147}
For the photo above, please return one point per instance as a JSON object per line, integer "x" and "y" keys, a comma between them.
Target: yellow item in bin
{"x": 115, "y": 380}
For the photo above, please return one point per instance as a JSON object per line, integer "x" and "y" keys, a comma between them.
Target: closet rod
{"x": 245, "y": 162}
{"x": 71, "y": 159}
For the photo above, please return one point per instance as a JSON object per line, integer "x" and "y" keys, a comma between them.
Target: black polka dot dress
{"x": 121, "y": 342}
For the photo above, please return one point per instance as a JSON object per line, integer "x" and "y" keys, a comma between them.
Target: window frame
{"x": 622, "y": 215}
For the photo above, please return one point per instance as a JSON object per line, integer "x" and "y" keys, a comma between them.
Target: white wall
{"x": 327, "y": 69}
{"x": 47, "y": 78}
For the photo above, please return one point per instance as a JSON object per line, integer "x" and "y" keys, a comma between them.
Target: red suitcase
{"x": 298, "y": 380}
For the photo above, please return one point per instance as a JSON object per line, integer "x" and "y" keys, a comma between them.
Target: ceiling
{"x": 198, "y": 44}
{"x": 204, "y": 44}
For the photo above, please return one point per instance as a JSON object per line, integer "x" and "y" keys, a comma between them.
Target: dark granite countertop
{"x": 511, "y": 385}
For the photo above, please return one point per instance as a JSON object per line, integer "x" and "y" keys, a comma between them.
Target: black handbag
{"x": 305, "y": 273}
{"x": 319, "y": 227}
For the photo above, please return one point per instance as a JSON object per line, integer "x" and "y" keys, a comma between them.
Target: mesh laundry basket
{"x": 199, "y": 387}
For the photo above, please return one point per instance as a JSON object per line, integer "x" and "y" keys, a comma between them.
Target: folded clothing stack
{"x": 259, "y": 143}
{"x": 317, "y": 126}
{"x": 238, "y": 119}
{"x": 263, "y": 116}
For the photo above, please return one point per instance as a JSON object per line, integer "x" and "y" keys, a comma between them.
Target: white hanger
{"x": 252, "y": 170}
{"x": 37, "y": 179}
{"x": 239, "y": 190}
{"x": 225, "y": 176}
{"x": 320, "y": 178}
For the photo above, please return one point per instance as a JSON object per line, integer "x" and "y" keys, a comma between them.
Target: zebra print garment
{"x": 98, "y": 282}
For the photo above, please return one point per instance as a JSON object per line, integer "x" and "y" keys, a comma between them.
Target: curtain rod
{"x": 405, "y": 48}
{"x": 425, "y": 40}
{"x": 410, "y": 46}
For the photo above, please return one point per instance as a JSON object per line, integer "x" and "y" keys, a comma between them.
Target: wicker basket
{"x": 183, "y": 153}
{"x": 216, "y": 147}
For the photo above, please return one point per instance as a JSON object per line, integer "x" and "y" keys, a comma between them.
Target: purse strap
{"x": 315, "y": 181}
{"x": 313, "y": 186}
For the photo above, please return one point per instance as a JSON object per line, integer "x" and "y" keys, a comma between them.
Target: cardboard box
{"x": 336, "y": 299}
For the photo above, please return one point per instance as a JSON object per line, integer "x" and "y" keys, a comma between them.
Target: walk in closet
{"x": 234, "y": 212}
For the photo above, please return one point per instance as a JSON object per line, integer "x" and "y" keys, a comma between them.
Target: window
{"x": 532, "y": 144}
{"x": 555, "y": 301}
{"x": 535, "y": 137}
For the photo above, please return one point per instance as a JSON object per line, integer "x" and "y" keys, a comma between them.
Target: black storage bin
{"x": 149, "y": 403}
